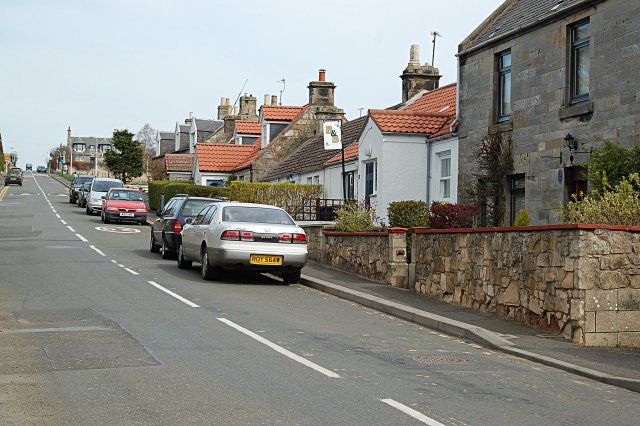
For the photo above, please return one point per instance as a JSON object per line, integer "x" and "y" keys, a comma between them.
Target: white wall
{"x": 438, "y": 151}
{"x": 333, "y": 179}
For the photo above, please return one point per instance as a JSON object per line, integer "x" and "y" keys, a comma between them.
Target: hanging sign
{"x": 332, "y": 132}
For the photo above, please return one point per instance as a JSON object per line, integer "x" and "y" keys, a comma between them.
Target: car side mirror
{"x": 188, "y": 221}
{"x": 104, "y": 197}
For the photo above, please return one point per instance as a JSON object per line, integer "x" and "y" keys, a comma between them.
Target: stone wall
{"x": 576, "y": 280}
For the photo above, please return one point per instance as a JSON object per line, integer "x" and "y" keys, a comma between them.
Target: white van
{"x": 99, "y": 188}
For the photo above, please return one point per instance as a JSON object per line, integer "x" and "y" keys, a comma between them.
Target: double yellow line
{"x": 3, "y": 191}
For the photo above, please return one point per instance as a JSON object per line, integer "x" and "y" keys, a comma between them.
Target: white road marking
{"x": 120, "y": 265}
{"x": 170, "y": 293}
{"x": 97, "y": 250}
{"x": 411, "y": 412}
{"x": 117, "y": 229}
{"x": 81, "y": 238}
{"x": 63, "y": 222}
{"x": 280, "y": 349}
{"x": 53, "y": 210}
{"x": 131, "y": 271}
{"x": 58, "y": 216}
{"x": 71, "y": 229}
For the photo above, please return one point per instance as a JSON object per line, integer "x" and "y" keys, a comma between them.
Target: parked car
{"x": 83, "y": 194}
{"x": 13, "y": 176}
{"x": 99, "y": 188}
{"x": 41, "y": 169}
{"x": 165, "y": 231}
{"x": 76, "y": 184}
{"x": 243, "y": 236}
{"x": 124, "y": 204}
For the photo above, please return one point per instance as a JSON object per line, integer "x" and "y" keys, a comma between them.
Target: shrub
{"x": 169, "y": 188}
{"x": 444, "y": 215}
{"x": 285, "y": 195}
{"x": 408, "y": 214}
{"x": 354, "y": 217}
{"x": 523, "y": 218}
{"x": 618, "y": 206}
{"x": 611, "y": 163}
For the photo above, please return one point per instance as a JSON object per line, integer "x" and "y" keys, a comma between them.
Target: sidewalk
{"x": 618, "y": 367}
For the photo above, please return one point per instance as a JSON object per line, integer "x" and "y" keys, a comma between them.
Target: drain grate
{"x": 438, "y": 359}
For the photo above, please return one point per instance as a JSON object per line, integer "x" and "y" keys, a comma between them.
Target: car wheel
{"x": 207, "y": 271}
{"x": 71, "y": 200}
{"x": 105, "y": 220}
{"x": 182, "y": 262}
{"x": 164, "y": 250}
{"x": 153, "y": 248}
{"x": 88, "y": 211}
{"x": 291, "y": 276}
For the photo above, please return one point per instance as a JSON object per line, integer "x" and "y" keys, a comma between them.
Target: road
{"x": 95, "y": 329}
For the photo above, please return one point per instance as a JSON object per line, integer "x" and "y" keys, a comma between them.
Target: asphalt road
{"x": 95, "y": 329}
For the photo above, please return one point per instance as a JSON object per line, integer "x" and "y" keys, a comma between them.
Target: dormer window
{"x": 270, "y": 130}
{"x": 104, "y": 147}
{"x": 79, "y": 147}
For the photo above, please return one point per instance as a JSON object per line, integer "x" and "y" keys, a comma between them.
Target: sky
{"x": 100, "y": 65}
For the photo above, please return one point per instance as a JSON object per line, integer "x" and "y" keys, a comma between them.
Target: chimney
{"x": 69, "y": 136}
{"x": 248, "y": 108}
{"x": 224, "y": 108}
{"x": 321, "y": 92}
{"x": 266, "y": 100}
{"x": 416, "y": 77}
{"x": 274, "y": 100}
{"x": 189, "y": 119}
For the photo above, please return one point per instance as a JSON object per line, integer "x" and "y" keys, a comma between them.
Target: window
{"x": 445, "y": 175}
{"x": 580, "y": 62}
{"x": 349, "y": 179}
{"x": 309, "y": 180}
{"x": 168, "y": 209}
{"x": 209, "y": 215}
{"x": 370, "y": 180}
{"x": 215, "y": 182}
{"x": 79, "y": 147}
{"x": 517, "y": 197}
{"x": 275, "y": 129}
{"x": 200, "y": 216}
{"x": 316, "y": 180}
{"x": 92, "y": 148}
{"x": 504, "y": 86}
{"x": 104, "y": 147}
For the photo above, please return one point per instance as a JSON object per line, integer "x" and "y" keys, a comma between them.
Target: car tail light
{"x": 230, "y": 235}
{"x": 177, "y": 226}
{"x": 299, "y": 239}
{"x": 246, "y": 236}
{"x": 285, "y": 238}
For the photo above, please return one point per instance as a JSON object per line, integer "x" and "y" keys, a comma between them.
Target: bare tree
{"x": 147, "y": 136}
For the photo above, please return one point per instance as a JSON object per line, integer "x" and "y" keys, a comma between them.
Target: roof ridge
{"x": 411, "y": 113}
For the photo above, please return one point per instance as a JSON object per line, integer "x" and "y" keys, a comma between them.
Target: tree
{"x": 611, "y": 163}
{"x": 148, "y": 138}
{"x": 126, "y": 160}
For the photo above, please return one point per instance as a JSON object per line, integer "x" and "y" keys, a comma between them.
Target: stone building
{"x": 555, "y": 78}
{"x": 87, "y": 153}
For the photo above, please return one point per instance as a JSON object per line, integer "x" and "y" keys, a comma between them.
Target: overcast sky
{"x": 100, "y": 65}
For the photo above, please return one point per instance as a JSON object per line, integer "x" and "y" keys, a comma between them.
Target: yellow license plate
{"x": 262, "y": 259}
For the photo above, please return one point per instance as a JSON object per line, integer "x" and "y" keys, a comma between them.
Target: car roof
{"x": 237, "y": 204}
{"x": 107, "y": 180}
{"x": 124, "y": 189}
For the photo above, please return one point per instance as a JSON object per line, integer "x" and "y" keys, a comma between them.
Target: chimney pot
{"x": 235, "y": 110}
{"x": 274, "y": 100}
{"x": 227, "y": 101}
{"x": 266, "y": 100}
{"x": 222, "y": 100}
{"x": 414, "y": 55}
{"x": 321, "y": 74}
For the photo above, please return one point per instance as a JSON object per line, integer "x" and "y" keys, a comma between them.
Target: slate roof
{"x": 311, "y": 155}
{"x": 281, "y": 113}
{"x": 184, "y": 137}
{"x": 248, "y": 127}
{"x": 390, "y": 121}
{"x": 167, "y": 142}
{"x": 222, "y": 157}
{"x": 179, "y": 162}
{"x": 442, "y": 99}
{"x": 515, "y": 15}
{"x": 90, "y": 140}
{"x": 206, "y": 128}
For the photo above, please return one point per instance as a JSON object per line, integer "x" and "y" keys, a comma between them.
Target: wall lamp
{"x": 570, "y": 142}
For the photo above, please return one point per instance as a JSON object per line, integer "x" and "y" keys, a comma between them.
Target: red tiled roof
{"x": 442, "y": 100}
{"x": 222, "y": 157}
{"x": 178, "y": 162}
{"x": 248, "y": 127}
{"x": 390, "y": 121}
{"x": 281, "y": 113}
{"x": 251, "y": 158}
{"x": 349, "y": 152}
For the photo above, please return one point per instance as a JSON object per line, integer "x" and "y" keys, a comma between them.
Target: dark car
{"x": 13, "y": 176}
{"x": 76, "y": 185}
{"x": 165, "y": 231}
{"x": 29, "y": 167}
{"x": 41, "y": 169}
{"x": 83, "y": 193}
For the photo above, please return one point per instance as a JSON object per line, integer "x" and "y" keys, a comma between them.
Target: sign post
{"x": 332, "y": 132}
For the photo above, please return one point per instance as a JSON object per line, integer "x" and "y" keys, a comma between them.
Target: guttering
{"x": 428, "y": 142}
{"x": 457, "y": 119}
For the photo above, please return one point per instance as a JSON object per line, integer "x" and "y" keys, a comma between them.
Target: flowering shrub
{"x": 445, "y": 215}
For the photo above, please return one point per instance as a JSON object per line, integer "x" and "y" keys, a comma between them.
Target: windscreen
{"x": 193, "y": 207}
{"x": 126, "y": 195}
{"x": 105, "y": 185}
{"x": 256, "y": 215}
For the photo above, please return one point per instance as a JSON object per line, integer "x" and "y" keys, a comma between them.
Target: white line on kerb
{"x": 71, "y": 229}
{"x": 63, "y": 222}
{"x": 170, "y": 293}
{"x": 411, "y": 412}
{"x": 81, "y": 238}
{"x": 97, "y": 250}
{"x": 131, "y": 271}
{"x": 280, "y": 349}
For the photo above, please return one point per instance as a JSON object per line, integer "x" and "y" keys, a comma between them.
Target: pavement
{"x": 614, "y": 366}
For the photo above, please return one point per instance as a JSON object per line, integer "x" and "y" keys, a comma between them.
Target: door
{"x": 192, "y": 236}
{"x": 368, "y": 182}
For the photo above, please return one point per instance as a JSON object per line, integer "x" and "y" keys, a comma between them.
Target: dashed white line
{"x": 114, "y": 261}
{"x": 81, "y": 238}
{"x": 97, "y": 250}
{"x": 280, "y": 349}
{"x": 63, "y": 222}
{"x": 71, "y": 229}
{"x": 131, "y": 271}
{"x": 411, "y": 412}
{"x": 170, "y": 293}
{"x": 58, "y": 216}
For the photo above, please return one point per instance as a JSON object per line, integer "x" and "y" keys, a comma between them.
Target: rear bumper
{"x": 235, "y": 257}
{"x": 137, "y": 217}
{"x": 96, "y": 207}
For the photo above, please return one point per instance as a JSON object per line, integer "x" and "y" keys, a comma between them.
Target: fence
{"x": 318, "y": 209}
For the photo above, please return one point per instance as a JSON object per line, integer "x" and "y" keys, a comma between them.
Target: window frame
{"x": 444, "y": 180}
{"x": 514, "y": 194}
{"x": 574, "y": 46}
{"x": 501, "y": 72}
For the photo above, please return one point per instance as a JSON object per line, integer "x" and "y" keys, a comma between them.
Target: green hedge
{"x": 279, "y": 194}
{"x": 169, "y": 188}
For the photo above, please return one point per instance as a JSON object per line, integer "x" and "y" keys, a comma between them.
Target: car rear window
{"x": 83, "y": 179}
{"x": 256, "y": 215}
{"x": 193, "y": 207}
{"x": 105, "y": 185}
{"x": 126, "y": 195}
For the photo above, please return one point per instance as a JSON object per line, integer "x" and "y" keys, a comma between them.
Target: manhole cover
{"x": 438, "y": 359}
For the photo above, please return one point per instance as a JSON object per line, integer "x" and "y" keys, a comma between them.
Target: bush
{"x": 445, "y": 215}
{"x": 354, "y": 217}
{"x": 285, "y": 195}
{"x": 611, "y": 163}
{"x": 169, "y": 188}
{"x": 523, "y": 218}
{"x": 408, "y": 214}
{"x": 619, "y": 206}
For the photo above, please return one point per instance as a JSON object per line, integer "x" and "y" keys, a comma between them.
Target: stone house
{"x": 87, "y": 152}
{"x": 555, "y": 78}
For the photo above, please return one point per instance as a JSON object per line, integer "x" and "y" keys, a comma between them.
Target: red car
{"x": 124, "y": 204}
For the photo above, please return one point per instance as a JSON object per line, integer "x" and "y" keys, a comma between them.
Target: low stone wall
{"x": 577, "y": 280}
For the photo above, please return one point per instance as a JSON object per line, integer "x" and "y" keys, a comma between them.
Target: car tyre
{"x": 153, "y": 248}
{"x": 182, "y": 262}
{"x": 88, "y": 211}
{"x": 207, "y": 271}
{"x": 164, "y": 249}
{"x": 291, "y": 276}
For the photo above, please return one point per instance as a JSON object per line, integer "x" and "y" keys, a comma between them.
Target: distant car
{"x": 124, "y": 204}
{"x": 244, "y": 236}
{"x": 83, "y": 193}
{"x": 41, "y": 169}
{"x": 13, "y": 176}
{"x": 29, "y": 167}
{"x": 99, "y": 188}
{"x": 76, "y": 184}
{"x": 165, "y": 231}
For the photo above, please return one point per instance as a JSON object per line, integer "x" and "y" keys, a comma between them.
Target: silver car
{"x": 243, "y": 236}
{"x": 99, "y": 188}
